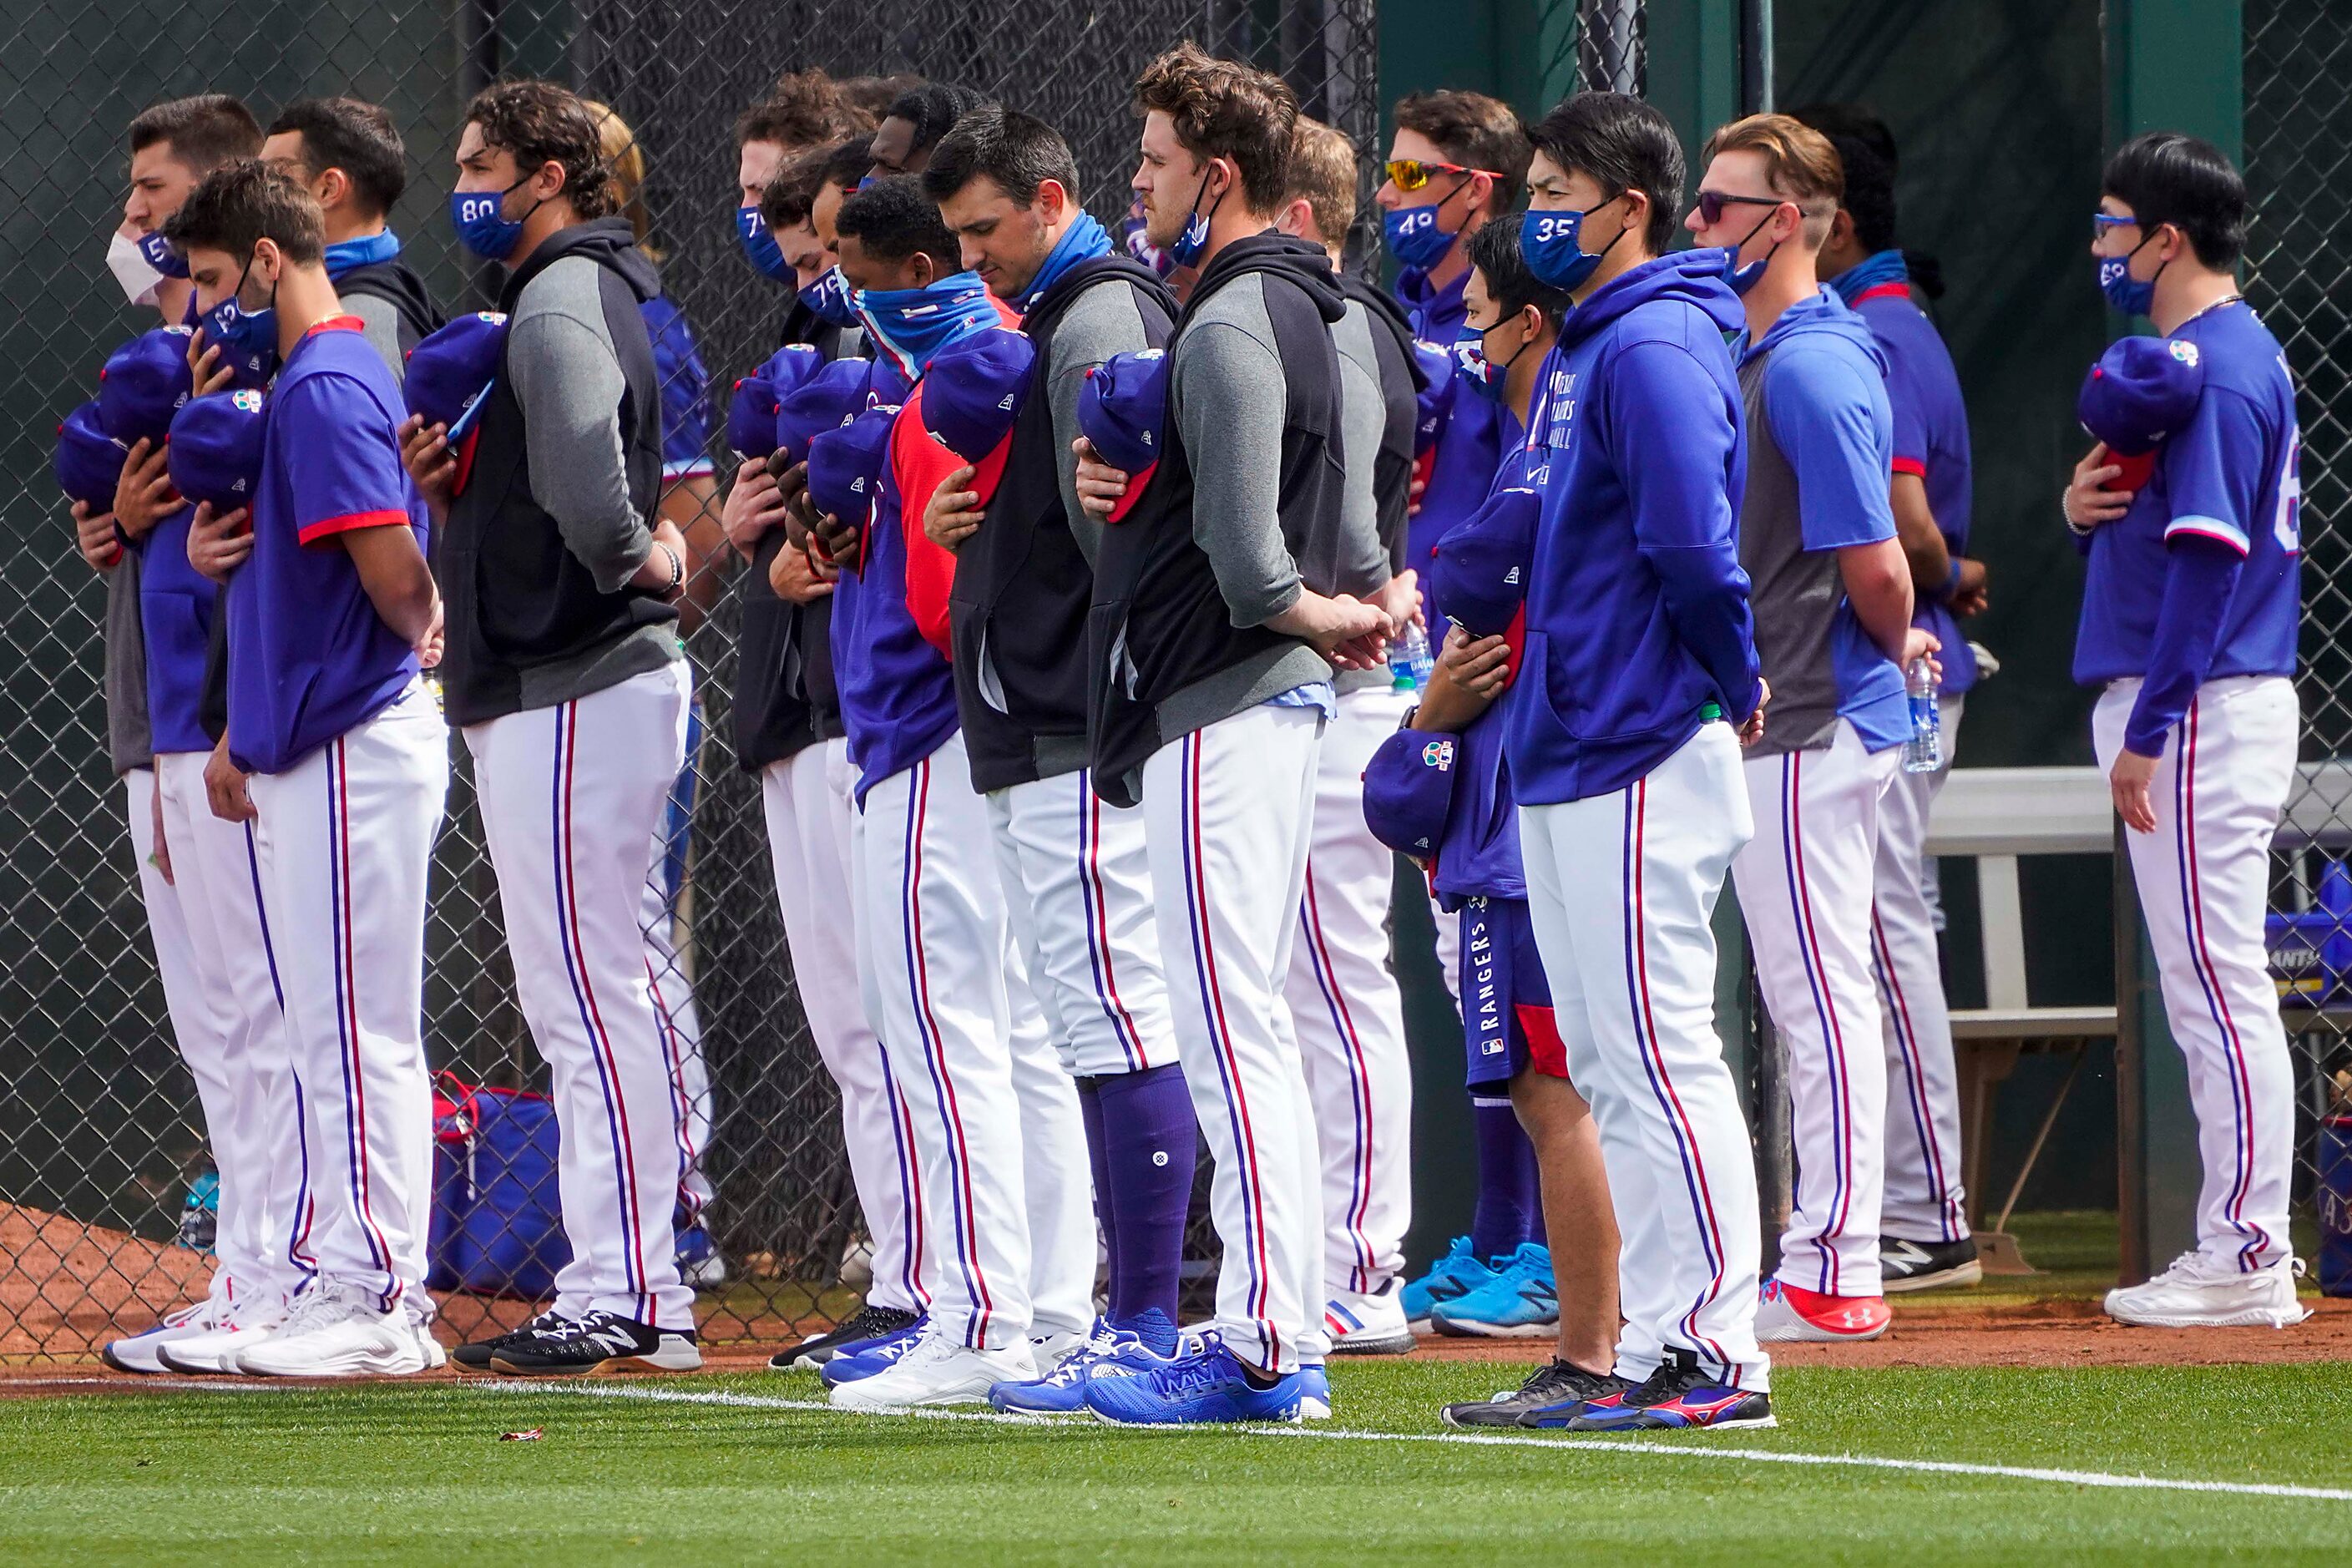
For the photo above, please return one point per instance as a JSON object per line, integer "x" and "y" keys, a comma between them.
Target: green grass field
{"x": 668, "y": 1471}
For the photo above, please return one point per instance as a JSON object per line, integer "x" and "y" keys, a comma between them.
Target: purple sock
{"x": 1146, "y": 1152}
{"x": 1098, "y": 1157}
{"x": 1510, "y": 1204}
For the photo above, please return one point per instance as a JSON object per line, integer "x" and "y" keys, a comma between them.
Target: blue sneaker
{"x": 1107, "y": 1350}
{"x": 1520, "y": 1303}
{"x": 1211, "y": 1385}
{"x": 1455, "y": 1274}
{"x": 1313, "y": 1392}
{"x": 878, "y": 1355}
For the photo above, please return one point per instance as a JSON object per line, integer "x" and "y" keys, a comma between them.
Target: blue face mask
{"x": 160, "y": 256}
{"x": 1743, "y": 278}
{"x": 1194, "y": 241}
{"x": 2123, "y": 291}
{"x": 828, "y": 299}
{"x": 1551, "y": 242}
{"x": 913, "y": 324}
{"x": 1488, "y": 379}
{"x": 760, "y": 246}
{"x": 247, "y": 340}
{"x": 482, "y": 226}
{"x": 1414, "y": 238}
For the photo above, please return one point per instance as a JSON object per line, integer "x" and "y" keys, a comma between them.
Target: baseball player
{"x": 1214, "y": 631}
{"x": 1341, "y": 988}
{"x": 1078, "y": 880}
{"x": 564, "y": 667}
{"x": 1832, "y": 605}
{"x": 339, "y": 761}
{"x": 1638, "y": 631}
{"x": 1924, "y": 1238}
{"x": 2189, "y": 627}
{"x": 996, "y": 1119}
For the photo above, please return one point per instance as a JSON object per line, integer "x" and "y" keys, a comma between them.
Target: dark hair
{"x": 1494, "y": 252}
{"x": 872, "y": 96}
{"x": 803, "y": 110}
{"x": 357, "y": 138}
{"x": 933, "y": 109}
{"x": 204, "y": 132}
{"x": 792, "y": 193}
{"x": 1623, "y": 143}
{"x": 243, "y": 203}
{"x": 2166, "y": 178}
{"x": 1224, "y": 110}
{"x": 893, "y": 220}
{"x": 541, "y": 123}
{"x": 1475, "y": 132}
{"x": 1852, "y": 119}
{"x": 1019, "y": 151}
{"x": 846, "y": 162}
{"x": 1869, "y": 197}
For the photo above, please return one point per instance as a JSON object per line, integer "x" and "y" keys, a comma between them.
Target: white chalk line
{"x": 2103, "y": 1478}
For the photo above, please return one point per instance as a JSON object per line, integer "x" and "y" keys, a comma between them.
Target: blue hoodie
{"x": 1460, "y": 470}
{"x": 1638, "y": 629}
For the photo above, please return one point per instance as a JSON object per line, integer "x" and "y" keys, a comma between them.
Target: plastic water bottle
{"x": 1924, "y": 751}
{"x": 1409, "y": 660}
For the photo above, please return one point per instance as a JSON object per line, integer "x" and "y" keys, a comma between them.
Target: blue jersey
{"x": 686, "y": 412}
{"x": 2229, "y": 477}
{"x": 308, "y": 659}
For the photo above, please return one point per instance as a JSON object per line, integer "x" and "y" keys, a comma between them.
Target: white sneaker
{"x": 335, "y": 1330}
{"x": 2199, "y": 1292}
{"x": 938, "y": 1371}
{"x": 1368, "y": 1322}
{"x": 209, "y": 1353}
{"x": 141, "y": 1351}
{"x": 1050, "y": 1350}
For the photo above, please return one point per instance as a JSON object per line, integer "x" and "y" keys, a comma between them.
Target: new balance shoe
{"x": 212, "y": 1353}
{"x": 864, "y": 1327}
{"x": 1313, "y": 1392}
{"x": 1108, "y": 1350}
{"x": 336, "y": 1331}
{"x": 935, "y": 1371}
{"x": 1678, "y": 1397}
{"x": 1207, "y": 1386}
{"x": 601, "y": 1342}
{"x": 2199, "y": 1292}
{"x": 475, "y": 1355}
{"x": 1368, "y": 1322}
{"x": 874, "y": 1356}
{"x": 1908, "y": 1265}
{"x": 1786, "y": 1312}
{"x": 138, "y": 1353}
{"x": 1554, "y": 1395}
{"x": 1458, "y": 1271}
{"x": 1520, "y": 1303}
{"x": 700, "y": 1265}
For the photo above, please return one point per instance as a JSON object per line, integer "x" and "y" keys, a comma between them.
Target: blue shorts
{"x": 1507, "y": 1017}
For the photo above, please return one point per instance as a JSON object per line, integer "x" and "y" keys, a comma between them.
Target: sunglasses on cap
{"x": 1411, "y": 174}
{"x": 1712, "y": 203}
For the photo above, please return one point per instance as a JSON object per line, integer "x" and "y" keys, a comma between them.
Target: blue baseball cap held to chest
{"x": 144, "y": 383}
{"x": 1123, "y": 410}
{"x": 973, "y": 393}
{"x": 1409, "y": 788}
{"x": 829, "y": 399}
{"x": 450, "y": 372}
{"x": 2140, "y": 391}
{"x": 89, "y": 461}
{"x": 215, "y": 456}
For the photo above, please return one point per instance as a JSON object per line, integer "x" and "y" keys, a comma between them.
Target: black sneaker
{"x": 601, "y": 1342}
{"x": 1908, "y": 1265}
{"x": 866, "y": 1323}
{"x": 1679, "y": 1396}
{"x": 476, "y": 1357}
{"x": 1556, "y": 1385}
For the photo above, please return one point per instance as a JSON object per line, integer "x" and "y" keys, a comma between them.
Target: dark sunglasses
{"x": 1411, "y": 174}
{"x": 1712, "y": 203}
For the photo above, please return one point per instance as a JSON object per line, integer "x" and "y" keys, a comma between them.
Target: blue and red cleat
{"x": 1678, "y": 1397}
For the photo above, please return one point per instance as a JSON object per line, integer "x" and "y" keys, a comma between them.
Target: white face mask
{"x": 130, "y": 269}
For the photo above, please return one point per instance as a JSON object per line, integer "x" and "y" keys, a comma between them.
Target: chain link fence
{"x": 102, "y": 1163}
{"x": 2298, "y": 152}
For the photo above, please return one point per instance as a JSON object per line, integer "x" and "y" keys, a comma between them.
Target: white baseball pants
{"x": 1342, "y": 992}
{"x": 1805, "y": 888}
{"x": 570, "y": 796}
{"x": 2204, "y": 887}
{"x": 1228, "y": 809}
{"x": 806, "y": 798}
{"x": 1077, "y": 886}
{"x": 1924, "y": 1199}
{"x": 1621, "y": 890}
{"x": 1008, "y": 1192}
{"x": 345, "y": 838}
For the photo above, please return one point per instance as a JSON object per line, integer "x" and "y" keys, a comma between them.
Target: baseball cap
{"x": 1121, "y": 409}
{"x": 846, "y": 466}
{"x": 450, "y": 372}
{"x": 972, "y": 393}
{"x": 828, "y": 399}
{"x": 1478, "y": 573}
{"x": 89, "y": 461}
{"x": 1435, "y": 401}
{"x": 751, "y": 417}
{"x": 143, "y": 385}
{"x": 2140, "y": 392}
{"x": 886, "y": 385}
{"x": 215, "y": 453}
{"x": 790, "y": 366}
{"x": 1408, "y": 789}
